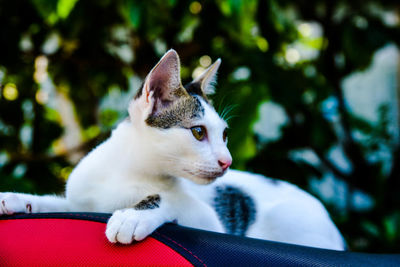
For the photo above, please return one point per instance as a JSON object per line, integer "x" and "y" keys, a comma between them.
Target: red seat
{"x": 78, "y": 239}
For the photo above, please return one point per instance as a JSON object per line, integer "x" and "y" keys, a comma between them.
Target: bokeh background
{"x": 310, "y": 89}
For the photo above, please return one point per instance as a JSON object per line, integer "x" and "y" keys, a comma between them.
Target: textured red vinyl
{"x": 69, "y": 242}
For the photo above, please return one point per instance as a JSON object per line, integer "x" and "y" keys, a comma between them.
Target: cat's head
{"x": 185, "y": 135}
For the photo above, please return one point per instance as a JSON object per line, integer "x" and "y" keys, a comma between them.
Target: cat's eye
{"x": 225, "y": 135}
{"x": 199, "y": 132}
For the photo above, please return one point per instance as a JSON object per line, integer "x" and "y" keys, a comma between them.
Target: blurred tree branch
{"x": 15, "y": 158}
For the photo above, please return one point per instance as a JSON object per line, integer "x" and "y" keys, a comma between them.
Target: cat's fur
{"x": 136, "y": 174}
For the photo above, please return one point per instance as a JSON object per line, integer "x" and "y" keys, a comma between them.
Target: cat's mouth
{"x": 206, "y": 175}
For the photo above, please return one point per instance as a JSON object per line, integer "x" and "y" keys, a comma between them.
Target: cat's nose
{"x": 225, "y": 163}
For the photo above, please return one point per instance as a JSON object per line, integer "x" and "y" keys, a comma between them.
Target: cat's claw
{"x": 128, "y": 225}
{"x": 11, "y": 203}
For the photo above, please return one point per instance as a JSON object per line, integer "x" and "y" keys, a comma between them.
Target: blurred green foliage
{"x": 63, "y": 59}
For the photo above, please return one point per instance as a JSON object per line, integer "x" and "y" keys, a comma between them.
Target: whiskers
{"x": 183, "y": 161}
{"x": 225, "y": 112}
{"x": 194, "y": 168}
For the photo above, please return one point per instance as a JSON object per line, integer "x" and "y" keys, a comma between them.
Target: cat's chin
{"x": 202, "y": 180}
{"x": 204, "y": 177}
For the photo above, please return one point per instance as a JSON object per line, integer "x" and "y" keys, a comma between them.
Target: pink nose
{"x": 224, "y": 164}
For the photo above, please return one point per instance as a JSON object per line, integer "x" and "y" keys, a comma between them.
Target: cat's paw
{"x": 128, "y": 225}
{"x": 11, "y": 203}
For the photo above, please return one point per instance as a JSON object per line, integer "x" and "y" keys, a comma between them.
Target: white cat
{"x": 173, "y": 132}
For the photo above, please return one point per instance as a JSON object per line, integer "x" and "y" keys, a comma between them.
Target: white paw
{"x": 11, "y": 203}
{"x": 128, "y": 225}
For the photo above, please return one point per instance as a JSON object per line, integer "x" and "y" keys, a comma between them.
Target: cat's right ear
{"x": 161, "y": 87}
{"x": 204, "y": 84}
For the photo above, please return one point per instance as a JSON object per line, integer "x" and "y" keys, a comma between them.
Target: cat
{"x": 169, "y": 162}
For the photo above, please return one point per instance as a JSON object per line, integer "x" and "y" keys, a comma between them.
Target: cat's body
{"x": 173, "y": 132}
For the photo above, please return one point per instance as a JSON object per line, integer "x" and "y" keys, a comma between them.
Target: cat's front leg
{"x": 128, "y": 225}
{"x": 138, "y": 222}
{"x": 11, "y": 203}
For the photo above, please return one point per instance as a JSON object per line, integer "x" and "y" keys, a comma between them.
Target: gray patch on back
{"x": 150, "y": 202}
{"x": 235, "y": 209}
{"x": 180, "y": 113}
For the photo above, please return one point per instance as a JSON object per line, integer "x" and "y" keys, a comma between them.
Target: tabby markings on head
{"x": 150, "y": 202}
{"x": 194, "y": 88}
{"x": 179, "y": 113}
{"x": 236, "y": 210}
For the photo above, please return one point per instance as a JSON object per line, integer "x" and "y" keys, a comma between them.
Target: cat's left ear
{"x": 205, "y": 83}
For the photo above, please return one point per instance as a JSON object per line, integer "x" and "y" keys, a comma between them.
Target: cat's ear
{"x": 162, "y": 85}
{"x": 207, "y": 80}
